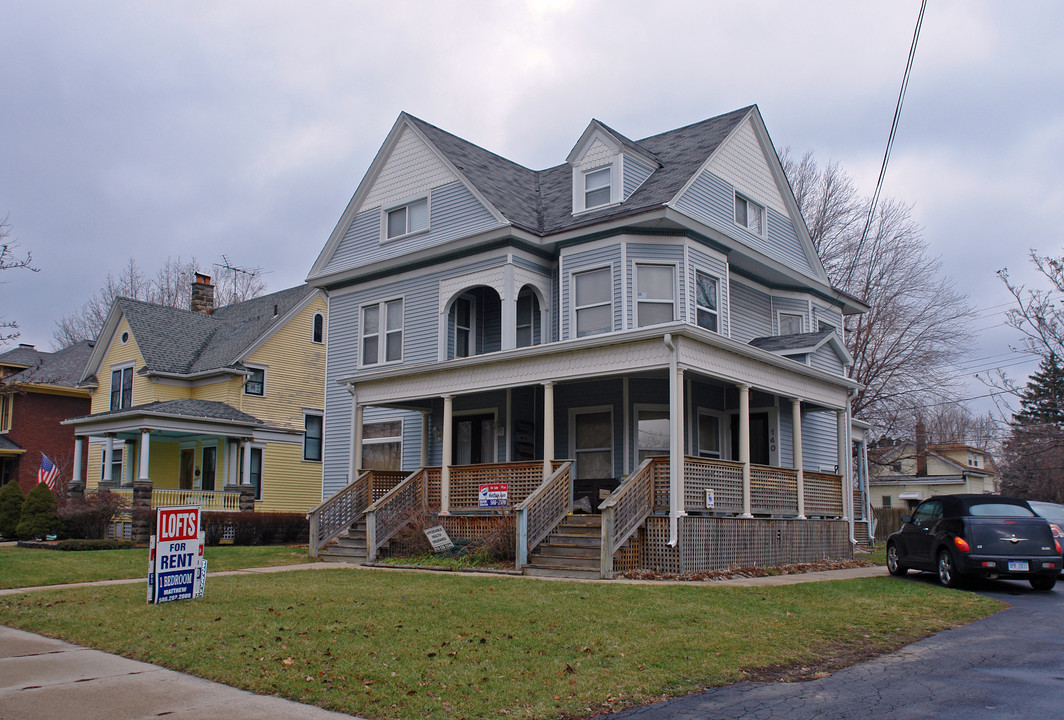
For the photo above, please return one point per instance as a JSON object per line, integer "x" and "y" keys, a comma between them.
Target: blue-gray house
{"x": 644, "y": 331}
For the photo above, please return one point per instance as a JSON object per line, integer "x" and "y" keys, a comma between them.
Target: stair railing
{"x": 542, "y": 510}
{"x": 332, "y": 517}
{"x": 625, "y": 510}
{"x": 394, "y": 510}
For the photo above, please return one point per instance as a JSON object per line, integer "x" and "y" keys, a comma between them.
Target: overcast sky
{"x": 243, "y": 128}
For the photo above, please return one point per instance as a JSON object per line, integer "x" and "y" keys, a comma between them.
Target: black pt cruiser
{"x": 976, "y": 536}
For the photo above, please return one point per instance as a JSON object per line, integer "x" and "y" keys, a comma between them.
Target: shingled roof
{"x": 63, "y": 367}
{"x": 185, "y": 342}
{"x": 184, "y": 408}
{"x": 541, "y": 201}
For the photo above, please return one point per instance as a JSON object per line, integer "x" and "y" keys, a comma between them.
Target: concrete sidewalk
{"x": 41, "y": 679}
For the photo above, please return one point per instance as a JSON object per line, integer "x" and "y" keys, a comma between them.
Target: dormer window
{"x": 749, "y": 214}
{"x": 407, "y": 219}
{"x": 597, "y": 188}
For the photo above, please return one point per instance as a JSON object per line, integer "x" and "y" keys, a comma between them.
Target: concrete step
{"x": 573, "y": 573}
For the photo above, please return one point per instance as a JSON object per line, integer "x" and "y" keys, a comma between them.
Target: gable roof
{"x": 803, "y": 343}
{"x": 907, "y": 450}
{"x": 62, "y": 368}
{"x": 173, "y": 341}
{"x": 22, "y": 356}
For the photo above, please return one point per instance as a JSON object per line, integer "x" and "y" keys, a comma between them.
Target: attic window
{"x": 406, "y": 219}
{"x": 597, "y": 188}
{"x": 749, "y": 214}
{"x": 125, "y": 338}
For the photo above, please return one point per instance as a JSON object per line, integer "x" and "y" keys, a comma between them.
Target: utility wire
{"x": 890, "y": 143}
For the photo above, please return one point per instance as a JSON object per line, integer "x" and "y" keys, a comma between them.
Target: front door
{"x": 184, "y": 478}
{"x": 474, "y": 439}
{"x": 210, "y": 462}
{"x": 759, "y": 445}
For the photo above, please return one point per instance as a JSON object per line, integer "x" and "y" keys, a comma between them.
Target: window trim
{"x": 307, "y": 436}
{"x": 386, "y": 211}
{"x": 741, "y": 198}
{"x": 586, "y": 174}
{"x": 575, "y": 309}
{"x": 580, "y": 184}
{"x": 120, "y": 368}
{"x": 7, "y": 411}
{"x": 638, "y": 408}
{"x": 592, "y": 410}
{"x": 709, "y": 412}
{"x": 118, "y": 478}
{"x": 317, "y": 328}
{"x": 261, "y": 449}
{"x": 791, "y": 313}
{"x": 656, "y": 301}
{"x": 535, "y": 317}
{"x": 382, "y": 332}
{"x": 699, "y": 308}
{"x": 471, "y": 329}
{"x": 382, "y": 440}
{"x": 252, "y": 368}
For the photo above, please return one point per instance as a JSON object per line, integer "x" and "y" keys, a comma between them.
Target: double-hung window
{"x": 749, "y": 214}
{"x": 593, "y": 303}
{"x": 790, "y": 323}
{"x": 528, "y": 319}
{"x": 382, "y": 332}
{"x": 256, "y": 382}
{"x": 122, "y": 388}
{"x": 597, "y": 188}
{"x": 407, "y": 219}
{"x": 7, "y": 403}
{"x": 464, "y": 342}
{"x": 706, "y": 302}
{"x": 255, "y": 476}
{"x": 312, "y": 436}
{"x": 655, "y": 294}
{"x": 382, "y": 445}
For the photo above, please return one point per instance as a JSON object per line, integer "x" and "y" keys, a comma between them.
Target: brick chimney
{"x": 202, "y": 294}
{"x": 921, "y": 449}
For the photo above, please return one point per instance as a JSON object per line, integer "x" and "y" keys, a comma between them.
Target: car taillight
{"x": 1058, "y": 532}
{"x": 1057, "y": 543}
{"x": 962, "y": 544}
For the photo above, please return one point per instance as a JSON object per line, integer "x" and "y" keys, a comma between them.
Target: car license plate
{"x": 1018, "y": 566}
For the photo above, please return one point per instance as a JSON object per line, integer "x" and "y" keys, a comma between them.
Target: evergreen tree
{"x": 10, "y": 508}
{"x": 1033, "y": 455}
{"x": 38, "y": 518}
{"x": 1042, "y": 401}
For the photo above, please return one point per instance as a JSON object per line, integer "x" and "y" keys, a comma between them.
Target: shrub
{"x": 82, "y": 544}
{"x": 501, "y": 543}
{"x": 266, "y": 528}
{"x": 411, "y": 539}
{"x": 214, "y": 523}
{"x": 88, "y": 517}
{"x": 10, "y": 508}
{"x": 38, "y": 518}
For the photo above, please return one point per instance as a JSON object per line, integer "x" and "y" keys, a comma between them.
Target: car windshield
{"x": 1000, "y": 510}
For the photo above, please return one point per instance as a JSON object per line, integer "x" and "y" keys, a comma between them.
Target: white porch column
{"x": 445, "y": 470}
{"x": 548, "y": 429}
{"x": 796, "y": 440}
{"x": 509, "y": 310}
{"x": 108, "y": 457}
{"x": 676, "y": 499}
{"x": 744, "y": 445}
{"x": 356, "y": 442}
{"x": 145, "y": 450}
{"x": 842, "y": 425}
{"x": 425, "y": 437}
{"x": 245, "y": 472}
{"x": 76, "y": 478}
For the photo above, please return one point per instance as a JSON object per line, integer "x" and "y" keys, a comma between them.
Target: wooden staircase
{"x": 349, "y": 547}
{"x": 572, "y": 550}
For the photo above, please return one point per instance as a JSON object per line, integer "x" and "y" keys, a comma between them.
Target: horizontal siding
{"x": 751, "y": 314}
{"x": 454, "y": 212}
{"x": 717, "y": 268}
{"x": 289, "y": 483}
{"x": 538, "y": 268}
{"x": 711, "y": 200}
{"x": 819, "y": 443}
{"x": 827, "y": 315}
{"x": 827, "y": 359}
{"x": 635, "y": 173}
{"x": 796, "y": 306}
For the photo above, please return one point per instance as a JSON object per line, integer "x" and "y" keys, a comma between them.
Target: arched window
{"x": 528, "y": 318}
{"x": 319, "y": 328}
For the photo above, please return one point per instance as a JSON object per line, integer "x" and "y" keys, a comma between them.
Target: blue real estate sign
{"x": 177, "y": 554}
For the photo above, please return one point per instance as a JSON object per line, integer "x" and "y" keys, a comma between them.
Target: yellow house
{"x": 209, "y": 405}
{"x": 907, "y": 473}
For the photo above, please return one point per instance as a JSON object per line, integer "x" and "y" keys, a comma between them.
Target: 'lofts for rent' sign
{"x": 176, "y": 564}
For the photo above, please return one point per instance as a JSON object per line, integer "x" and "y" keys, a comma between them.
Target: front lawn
{"x": 394, "y": 644}
{"x": 28, "y": 567}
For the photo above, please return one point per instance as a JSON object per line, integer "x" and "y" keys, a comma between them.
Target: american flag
{"x": 48, "y": 472}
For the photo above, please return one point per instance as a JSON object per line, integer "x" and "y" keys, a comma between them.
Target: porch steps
{"x": 349, "y": 547}
{"x": 573, "y": 550}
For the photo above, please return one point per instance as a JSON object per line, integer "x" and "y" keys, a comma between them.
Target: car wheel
{"x": 947, "y": 571}
{"x": 1043, "y": 582}
{"x": 893, "y": 564}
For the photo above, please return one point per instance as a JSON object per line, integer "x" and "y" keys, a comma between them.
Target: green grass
{"x": 393, "y": 644}
{"x": 27, "y": 567}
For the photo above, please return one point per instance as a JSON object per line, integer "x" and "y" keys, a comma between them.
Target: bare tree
{"x": 10, "y": 261}
{"x": 918, "y": 321}
{"x": 171, "y": 286}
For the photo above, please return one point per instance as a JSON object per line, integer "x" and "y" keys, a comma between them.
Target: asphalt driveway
{"x": 1004, "y": 667}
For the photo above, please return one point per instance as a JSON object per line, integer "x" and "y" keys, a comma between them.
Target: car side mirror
{"x": 906, "y": 519}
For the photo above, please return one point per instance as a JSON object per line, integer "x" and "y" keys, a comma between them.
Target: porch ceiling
{"x": 617, "y": 354}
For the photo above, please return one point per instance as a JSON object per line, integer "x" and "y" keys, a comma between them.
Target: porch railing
{"x": 521, "y": 478}
{"x": 625, "y": 510}
{"x": 773, "y": 490}
{"x": 542, "y": 510}
{"x": 823, "y": 495}
{"x": 205, "y": 499}
{"x": 332, "y": 517}
{"x": 389, "y": 514}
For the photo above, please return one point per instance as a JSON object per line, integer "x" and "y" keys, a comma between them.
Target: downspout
{"x": 674, "y": 468}
{"x": 849, "y": 465}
